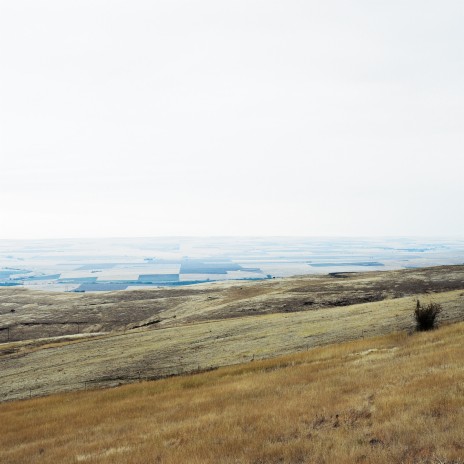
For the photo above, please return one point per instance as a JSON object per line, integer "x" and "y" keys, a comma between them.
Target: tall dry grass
{"x": 392, "y": 399}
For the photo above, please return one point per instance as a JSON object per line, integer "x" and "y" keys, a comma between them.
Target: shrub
{"x": 426, "y": 315}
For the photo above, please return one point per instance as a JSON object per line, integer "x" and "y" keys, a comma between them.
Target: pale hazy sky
{"x": 145, "y": 118}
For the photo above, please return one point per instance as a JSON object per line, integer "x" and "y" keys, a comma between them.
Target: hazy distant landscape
{"x": 86, "y": 265}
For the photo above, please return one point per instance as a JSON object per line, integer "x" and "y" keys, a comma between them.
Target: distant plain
{"x": 125, "y": 264}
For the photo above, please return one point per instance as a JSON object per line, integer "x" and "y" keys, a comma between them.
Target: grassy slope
{"x": 391, "y": 399}
{"x": 36, "y": 314}
{"x": 114, "y": 358}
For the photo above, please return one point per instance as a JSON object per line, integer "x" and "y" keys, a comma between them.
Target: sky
{"x": 178, "y": 117}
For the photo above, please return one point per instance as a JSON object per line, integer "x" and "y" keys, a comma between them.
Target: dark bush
{"x": 426, "y": 315}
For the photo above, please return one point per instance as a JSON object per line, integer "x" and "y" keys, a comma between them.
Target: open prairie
{"x": 64, "y": 342}
{"x": 393, "y": 399}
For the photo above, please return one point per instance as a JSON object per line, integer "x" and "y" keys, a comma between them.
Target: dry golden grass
{"x": 390, "y": 399}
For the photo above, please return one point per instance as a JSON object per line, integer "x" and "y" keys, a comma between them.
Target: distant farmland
{"x": 120, "y": 264}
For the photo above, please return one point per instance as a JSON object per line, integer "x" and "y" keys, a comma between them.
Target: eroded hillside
{"x": 172, "y": 332}
{"x": 26, "y": 314}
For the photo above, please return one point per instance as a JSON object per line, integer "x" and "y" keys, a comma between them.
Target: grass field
{"x": 27, "y": 314}
{"x": 392, "y": 399}
{"x": 42, "y": 367}
{"x": 356, "y": 383}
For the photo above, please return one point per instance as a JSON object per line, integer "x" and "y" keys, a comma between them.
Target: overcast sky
{"x": 146, "y": 118}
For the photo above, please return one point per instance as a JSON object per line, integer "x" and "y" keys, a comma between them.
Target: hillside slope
{"x": 27, "y": 314}
{"x": 392, "y": 399}
{"x": 207, "y": 336}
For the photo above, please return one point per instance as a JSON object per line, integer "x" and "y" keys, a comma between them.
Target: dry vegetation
{"x": 392, "y": 399}
{"x": 46, "y": 366}
{"x": 34, "y": 314}
{"x": 344, "y": 398}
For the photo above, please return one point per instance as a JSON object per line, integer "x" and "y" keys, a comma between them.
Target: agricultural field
{"x": 100, "y": 265}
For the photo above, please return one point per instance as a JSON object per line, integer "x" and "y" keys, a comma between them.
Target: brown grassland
{"x": 396, "y": 398}
{"x": 164, "y": 332}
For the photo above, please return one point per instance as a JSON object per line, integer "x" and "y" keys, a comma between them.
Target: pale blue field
{"x": 119, "y": 264}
